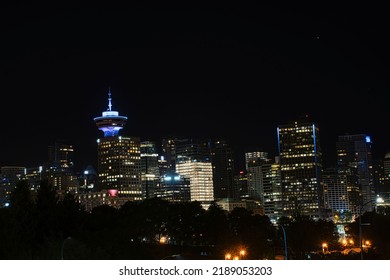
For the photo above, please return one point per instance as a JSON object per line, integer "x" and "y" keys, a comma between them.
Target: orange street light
{"x": 324, "y": 246}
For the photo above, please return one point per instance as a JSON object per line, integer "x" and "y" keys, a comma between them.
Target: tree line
{"x": 46, "y": 227}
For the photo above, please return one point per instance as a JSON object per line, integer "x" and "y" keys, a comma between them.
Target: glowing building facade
{"x": 119, "y": 157}
{"x": 193, "y": 161}
{"x": 354, "y": 158}
{"x": 301, "y": 169}
{"x": 200, "y": 175}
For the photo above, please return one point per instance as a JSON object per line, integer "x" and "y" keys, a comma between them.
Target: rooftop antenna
{"x": 109, "y": 100}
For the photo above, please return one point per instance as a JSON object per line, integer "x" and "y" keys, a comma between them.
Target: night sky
{"x": 231, "y": 72}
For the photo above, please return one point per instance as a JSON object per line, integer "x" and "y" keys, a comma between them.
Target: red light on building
{"x": 112, "y": 192}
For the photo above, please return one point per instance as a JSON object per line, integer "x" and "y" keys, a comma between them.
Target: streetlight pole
{"x": 360, "y": 228}
{"x": 285, "y": 241}
{"x": 63, "y": 245}
{"x": 360, "y": 234}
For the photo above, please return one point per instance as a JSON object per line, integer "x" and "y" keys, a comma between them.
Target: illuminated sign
{"x": 112, "y": 192}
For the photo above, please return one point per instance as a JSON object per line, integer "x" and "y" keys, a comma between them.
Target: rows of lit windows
{"x": 296, "y": 155}
{"x": 301, "y": 129}
{"x": 200, "y": 176}
{"x": 131, "y": 192}
{"x": 298, "y": 166}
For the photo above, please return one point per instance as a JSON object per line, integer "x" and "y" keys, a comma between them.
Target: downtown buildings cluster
{"x": 186, "y": 169}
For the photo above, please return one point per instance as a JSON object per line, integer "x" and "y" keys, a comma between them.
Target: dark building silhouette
{"x": 150, "y": 173}
{"x": 223, "y": 170}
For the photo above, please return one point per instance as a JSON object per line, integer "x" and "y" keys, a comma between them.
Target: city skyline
{"x": 228, "y": 73}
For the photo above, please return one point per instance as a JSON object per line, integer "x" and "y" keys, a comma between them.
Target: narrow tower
{"x": 119, "y": 158}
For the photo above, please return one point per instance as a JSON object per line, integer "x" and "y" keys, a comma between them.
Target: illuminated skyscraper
{"x": 264, "y": 182}
{"x": 301, "y": 167}
{"x": 354, "y": 158}
{"x": 193, "y": 161}
{"x": 200, "y": 175}
{"x": 119, "y": 158}
{"x": 150, "y": 174}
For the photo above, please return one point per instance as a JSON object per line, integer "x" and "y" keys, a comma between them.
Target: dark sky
{"x": 234, "y": 72}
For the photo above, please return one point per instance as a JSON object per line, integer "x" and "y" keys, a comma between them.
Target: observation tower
{"x": 110, "y": 122}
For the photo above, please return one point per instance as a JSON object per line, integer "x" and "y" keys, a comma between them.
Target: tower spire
{"x": 109, "y": 99}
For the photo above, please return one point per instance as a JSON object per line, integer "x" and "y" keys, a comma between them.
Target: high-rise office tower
{"x": 273, "y": 204}
{"x": 34, "y": 176}
{"x": 241, "y": 184}
{"x": 191, "y": 149}
{"x": 252, "y": 157}
{"x": 119, "y": 157}
{"x": 174, "y": 188}
{"x": 264, "y": 183}
{"x": 223, "y": 170}
{"x": 354, "y": 157}
{"x": 163, "y": 166}
{"x": 59, "y": 171}
{"x": 61, "y": 156}
{"x": 168, "y": 154}
{"x": 150, "y": 174}
{"x": 386, "y": 174}
{"x": 200, "y": 175}
{"x": 255, "y": 174}
{"x": 193, "y": 161}
{"x": 301, "y": 167}
{"x": 336, "y": 194}
{"x": 379, "y": 176}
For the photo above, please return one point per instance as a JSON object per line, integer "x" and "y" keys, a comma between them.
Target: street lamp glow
{"x": 163, "y": 240}
{"x": 324, "y": 246}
